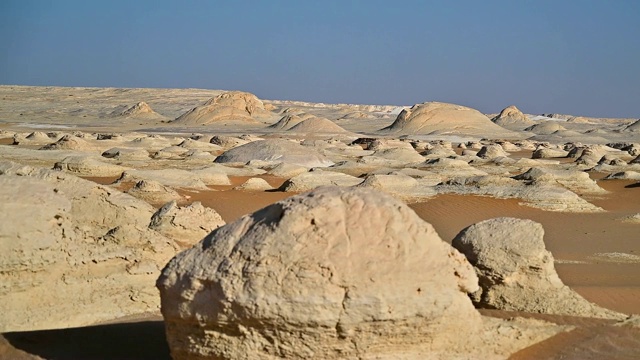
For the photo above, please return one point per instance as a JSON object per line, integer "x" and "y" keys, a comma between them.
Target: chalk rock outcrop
{"x": 633, "y": 127}
{"x": 176, "y": 178}
{"x": 549, "y": 153}
{"x": 576, "y": 181}
{"x": 290, "y": 120}
{"x": 624, "y": 175}
{"x": 126, "y": 154}
{"x": 406, "y": 155}
{"x": 287, "y": 171}
{"x": 539, "y": 194}
{"x": 185, "y": 225}
{"x": 545, "y": 128}
{"x": 228, "y": 142}
{"x": 512, "y": 118}
{"x": 449, "y": 119}
{"x": 492, "y": 151}
{"x": 141, "y": 110}
{"x": 400, "y": 186}
{"x": 316, "y": 178}
{"x": 317, "y": 125}
{"x": 69, "y": 142}
{"x": 451, "y": 168}
{"x": 72, "y": 252}
{"x": 254, "y": 184}
{"x": 34, "y": 138}
{"x": 516, "y": 271}
{"x": 275, "y": 150}
{"x": 153, "y": 192}
{"x": 228, "y": 106}
{"x": 88, "y": 166}
{"x": 200, "y": 145}
{"x": 330, "y": 274}
{"x": 218, "y": 174}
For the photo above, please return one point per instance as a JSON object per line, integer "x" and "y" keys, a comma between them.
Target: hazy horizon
{"x": 571, "y": 57}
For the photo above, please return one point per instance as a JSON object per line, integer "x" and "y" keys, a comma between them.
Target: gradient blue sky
{"x": 578, "y": 57}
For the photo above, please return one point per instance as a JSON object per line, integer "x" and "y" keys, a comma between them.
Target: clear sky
{"x": 579, "y": 57}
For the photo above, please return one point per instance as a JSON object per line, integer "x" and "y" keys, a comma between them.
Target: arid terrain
{"x": 309, "y": 230}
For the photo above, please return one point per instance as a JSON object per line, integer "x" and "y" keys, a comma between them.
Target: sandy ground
{"x": 598, "y": 255}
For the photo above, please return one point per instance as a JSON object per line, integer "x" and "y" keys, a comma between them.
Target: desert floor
{"x": 596, "y": 254}
{"x": 571, "y": 237}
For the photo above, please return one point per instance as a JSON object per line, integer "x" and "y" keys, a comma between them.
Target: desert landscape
{"x": 197, "y": 224}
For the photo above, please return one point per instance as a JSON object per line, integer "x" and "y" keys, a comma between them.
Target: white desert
{"x": 210, "y": 224}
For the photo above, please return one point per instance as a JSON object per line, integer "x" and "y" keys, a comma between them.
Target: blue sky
{"x": 578, "y": 57}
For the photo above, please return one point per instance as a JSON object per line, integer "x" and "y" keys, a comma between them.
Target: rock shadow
{"x": 137, "y": 340}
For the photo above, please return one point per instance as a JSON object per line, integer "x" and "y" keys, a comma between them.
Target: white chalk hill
{"x": 431, "y": 118}
{"x": 141, "y": 110}
{"x": 229, "y": 106}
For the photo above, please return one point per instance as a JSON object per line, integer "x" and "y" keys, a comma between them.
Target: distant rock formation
{"x": 317, "y": 125}
{"x": 290, "y": 120}
{"x": 633, "y": 127}
{"x": 447, "y": 119}
{"x": 580, "y": 120}
{"x": 512, "y": 118}
{"x": 545, "y": 128}
{"x": 228, "y": 106}
{"x": 141, "y": 110}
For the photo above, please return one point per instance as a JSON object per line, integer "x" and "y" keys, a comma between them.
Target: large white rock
{"x": 153, "y": 192}
{"x": 331, "y": 274}
{"x": 34, "y": 138}
{"x": 401, "y": 186}
{"x": 127, "y": 154}
{"x": 254, "y": 184}
{"x": 185, "y": 225}
{"x": 290, "y": 120}
{"x": 73, "y": 253}
{"x": 492, "y": 151}
{"x": 177, "y": 178}
{"x": 543, "y": 195}
{"x": 516, "y": 271}
{"x": 275, "y": 150}
{"x": 574, "y": 180}
{"x": 316, "y": 178}
{"x": 89, "y": 166}
{"x": 70, "y": 142}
